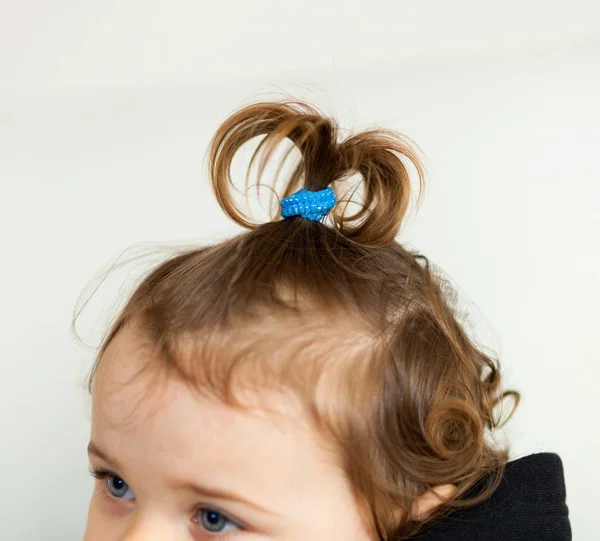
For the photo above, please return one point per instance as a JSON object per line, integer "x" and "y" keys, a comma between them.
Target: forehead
{"x": 160, "y": 424}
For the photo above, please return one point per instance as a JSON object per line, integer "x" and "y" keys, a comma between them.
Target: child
{"x": 306, "y": 381}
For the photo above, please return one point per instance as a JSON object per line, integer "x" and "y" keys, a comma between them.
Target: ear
{"x": 432, "y": 498}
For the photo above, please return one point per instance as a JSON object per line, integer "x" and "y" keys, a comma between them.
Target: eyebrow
{"x": 201, "y": 490}
{"x": 221, "y": 494}
{"x": 94, "y": 449}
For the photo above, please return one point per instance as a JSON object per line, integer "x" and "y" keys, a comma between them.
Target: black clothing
{"x": 528, "y": 505}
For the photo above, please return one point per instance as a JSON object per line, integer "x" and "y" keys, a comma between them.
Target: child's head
{"x": 300, "y": 381}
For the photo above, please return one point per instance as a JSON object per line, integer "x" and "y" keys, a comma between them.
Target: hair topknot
{"x": 376, "y": 155}
{"x": 362, "y": 329}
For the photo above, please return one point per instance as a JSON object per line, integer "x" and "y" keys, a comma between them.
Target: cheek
{"x": 94, "y": 530}
{"x": 328, "y": 511}
{"x": 105, "y": 520}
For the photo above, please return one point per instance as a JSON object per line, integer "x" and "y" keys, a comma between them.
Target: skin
{"x": 182, "y": 465}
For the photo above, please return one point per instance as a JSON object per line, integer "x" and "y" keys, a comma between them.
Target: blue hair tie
{"x": 311, "y": 205}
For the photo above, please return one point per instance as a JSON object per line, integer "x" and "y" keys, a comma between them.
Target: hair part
{"x": 363, "y": 330}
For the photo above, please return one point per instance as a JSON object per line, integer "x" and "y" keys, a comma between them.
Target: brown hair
{"x": 362, "y": 329}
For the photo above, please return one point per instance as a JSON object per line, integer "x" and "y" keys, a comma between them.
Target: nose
{"x": 152, "y": 528}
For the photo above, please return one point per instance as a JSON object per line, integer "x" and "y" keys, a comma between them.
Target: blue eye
{"x": 119, "y": 488}
{"x": 215, "y": 521}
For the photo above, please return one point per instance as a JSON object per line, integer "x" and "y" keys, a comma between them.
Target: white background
{"x": 106, "y": 109}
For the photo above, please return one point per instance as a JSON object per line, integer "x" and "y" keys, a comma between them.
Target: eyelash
{"x": 102, "y": 474}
